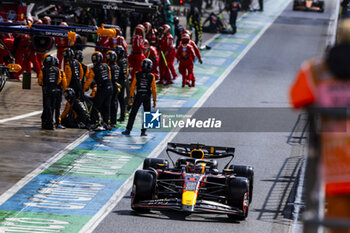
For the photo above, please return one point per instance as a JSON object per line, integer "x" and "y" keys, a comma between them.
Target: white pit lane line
{"x": 20, "y": 116}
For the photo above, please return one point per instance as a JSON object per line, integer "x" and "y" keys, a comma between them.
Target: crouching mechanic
{"x": 144, "y": 81}
{"x": 75, "y": 113}
{"x": 101, "y": 73}
{"x": 49, "y": 78}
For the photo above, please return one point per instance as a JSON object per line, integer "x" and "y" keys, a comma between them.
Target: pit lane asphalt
{"x": 261, "y": 79}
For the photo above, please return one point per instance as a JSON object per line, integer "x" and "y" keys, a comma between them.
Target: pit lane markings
{"x": 25, "y": 180}
{"x": 20, "y": 116}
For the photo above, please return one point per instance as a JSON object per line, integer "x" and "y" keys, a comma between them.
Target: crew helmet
{"x": 119, "y": 50}
{"x": 79, "y": 55}
{"x": 47, "y": 60}
{"x": 146, "y": 65}
{"x": 97, "y": 58}
{"x": 68, "y": 53}
{"x": 167, "y": 28}
{"x": 140, "y": 29}
{"x": 56, "y": 62}
{"x": 69, "y": 93}
{"x": 148, "y": 26}
{"x": 111, "y": 57}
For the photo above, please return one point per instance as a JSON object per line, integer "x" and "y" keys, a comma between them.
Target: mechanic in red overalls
{"x": 46, "y": 20}
{"x": 118, "y": 40}
{"x": 39, "y": 56}
{"x": 8, "y": 39}
{"x": 185, "y": 55}
{"x": 137, "y": 56}
{"x": 103, "y": 41}
{"x": 167, "y": 56}
{"x": 61, "y": 45}
{"x": 22, "y": 54}
{"x": 193, "y": 44}
{"x": 152, "y": 54}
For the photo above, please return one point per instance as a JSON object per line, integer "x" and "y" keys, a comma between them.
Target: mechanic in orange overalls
{"x": 325, "y": 82}
{"x": 185, "y": 55}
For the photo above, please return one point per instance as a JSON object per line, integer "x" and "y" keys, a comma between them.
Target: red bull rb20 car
{"x": 194, "y": 183}
{"x": 308, "y": 5}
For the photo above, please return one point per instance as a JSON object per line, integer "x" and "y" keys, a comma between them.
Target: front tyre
{"x": 143, "y": 189}
{"x": 247, "y": 172}
{"x": 238, "y": 196}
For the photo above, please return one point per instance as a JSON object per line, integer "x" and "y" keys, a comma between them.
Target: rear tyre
{"x": 153, "y": 163}
{"x": 238, "y": 196}
{"x": 247, "y": 172}
{"x": 321, "y": 5}
{"x": 295, "y": 4}
{"x": 143, "y": 189}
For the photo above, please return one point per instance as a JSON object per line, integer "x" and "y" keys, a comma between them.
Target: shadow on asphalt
{"x": 177, "y": 216}
{"x": 279, "y": 203}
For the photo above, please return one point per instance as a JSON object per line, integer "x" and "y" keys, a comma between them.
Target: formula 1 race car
{"x": 194, "y": 183}
{"x": 308, "y": 5}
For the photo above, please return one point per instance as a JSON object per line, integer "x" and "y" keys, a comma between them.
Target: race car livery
{"x": 194, "y": 183}
{"x": 309, "y": 5}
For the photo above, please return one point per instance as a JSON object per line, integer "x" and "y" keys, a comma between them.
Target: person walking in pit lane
{"x": 145, "y": 84}
{"x": 234, "y": 8}
{"x": 167, "y": 56}
{"x": 49, "y": 78}
{"x": 185, "y": 55}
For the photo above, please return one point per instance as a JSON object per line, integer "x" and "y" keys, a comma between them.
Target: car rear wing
{"x": 210, "y": 152}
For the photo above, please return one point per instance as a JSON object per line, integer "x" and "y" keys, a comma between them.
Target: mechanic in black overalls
{"x": 49, "y": 77}
{"x": 261, "y": 5}
{"x": 74, "y": 72}
{"x": 75, "y": 113}
{"x": 234, "y": 7}
{"x": 58, "y": 99}
{"x": 101, "y": 73}
{"x": 122, "y": 62}
{"x": 79, "y": 56}
{"x": 111, "y": 58}
{"x": 144, "y": 81}
{"x": 178, "y": 30}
